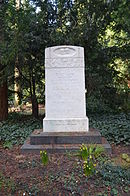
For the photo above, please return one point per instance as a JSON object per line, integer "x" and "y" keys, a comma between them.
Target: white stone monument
{"x": 65, "y": 107}
{"x": 65, "y": 125}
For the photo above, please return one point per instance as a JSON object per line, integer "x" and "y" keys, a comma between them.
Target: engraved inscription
{"x": 64, "y": 51}
{"x": 66, "y": 95}
{"x": 64, "y": 62}
{"x": 66, "y": 123}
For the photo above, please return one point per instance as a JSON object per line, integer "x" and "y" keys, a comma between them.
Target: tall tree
{"x": 16, "y": 71}
{"x": 3, "y": 80}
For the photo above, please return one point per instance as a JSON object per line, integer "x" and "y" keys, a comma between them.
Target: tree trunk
{"x": 16, "y": 72}
{"x": 34, "y": 106}
{"x": 34, "y": 100}
{"x": 3, "y": 101}
{"x": 3, "y": 82}
{"x": 17, "y": 88}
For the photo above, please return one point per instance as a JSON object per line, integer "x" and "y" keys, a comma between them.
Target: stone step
{"x": 59, "y": 148}
{"x": 61, "y": 142}
{"x": 38, "y": 137}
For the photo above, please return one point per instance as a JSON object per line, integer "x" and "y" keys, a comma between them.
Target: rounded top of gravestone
{"x": 64, "y": 51}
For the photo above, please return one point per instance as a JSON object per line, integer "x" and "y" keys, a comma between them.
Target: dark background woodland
{"x": 101, "y": 27}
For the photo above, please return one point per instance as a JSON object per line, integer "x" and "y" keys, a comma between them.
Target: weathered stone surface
{"x": 65, "y": 90}
{"x": 90, "y": 137}
{"x": 59, "y": 148}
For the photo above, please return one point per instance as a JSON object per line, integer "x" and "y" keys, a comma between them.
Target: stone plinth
{"x": 62, "y": 142}
{"x": 65, "y": 106}
{"x": 90, "y": 137}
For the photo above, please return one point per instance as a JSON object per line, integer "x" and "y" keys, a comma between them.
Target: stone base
{"x": 66, "y": 125}
{"x": 62, "y": 142}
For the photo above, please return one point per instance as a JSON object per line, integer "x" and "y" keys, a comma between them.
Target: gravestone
{"x": 65, "y": 126}
{"x": 65, "y": 105}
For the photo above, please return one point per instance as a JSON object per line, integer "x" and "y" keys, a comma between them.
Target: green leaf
{"x": 7, "y": 144}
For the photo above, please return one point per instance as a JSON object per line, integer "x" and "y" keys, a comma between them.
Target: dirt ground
{"x": 25, "y": 175}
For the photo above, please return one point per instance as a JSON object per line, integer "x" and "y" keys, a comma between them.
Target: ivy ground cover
{"x": 63, "y": 175}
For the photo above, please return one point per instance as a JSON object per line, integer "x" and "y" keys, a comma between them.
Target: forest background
{"x": 101, "y": 27}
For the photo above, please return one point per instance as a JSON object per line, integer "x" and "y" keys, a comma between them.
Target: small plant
{"x": 7, "y": 144}
{"x": 89, "y": 155}
{"x": 126, "y": 157}
{"x": 6, "y": 184}
{"x": 84, "y": 152}
{"x": 98, "y": 151}
{"x": 89, "y": 167}
{"x": 91, "y": 151}
{"x": 44, "y": 157}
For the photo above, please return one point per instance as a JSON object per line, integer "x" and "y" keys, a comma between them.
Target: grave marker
{"x": 65, "y": 105}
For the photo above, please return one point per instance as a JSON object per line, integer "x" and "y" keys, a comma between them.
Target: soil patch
{"x": 25, "y": 175}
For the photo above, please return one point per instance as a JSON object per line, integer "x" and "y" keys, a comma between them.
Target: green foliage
{"x": 28, "y": 164}
{"x": 7, "y": 144}
{"x": 17, "y": 128}
{"x": 125, "y": 157}
{"x": 44, "y": 157}
{"x": 89, "y": 155}
{"x": 115, "y": 127}
{"x": 29, "y": 190}
{"x": 89, "y": 167}
{"x": 101, "y": 30}
{"x": 70, "y": 180}
{"x": 95, "y": 104}
{"x": 6, "y": 184}
{"x": 84, "y": 152}
{"x": 114, "y": 176}
{"x": 90, "y": 151}
{"x": 107, "y": 178}
{"x": 98, "y": 151}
